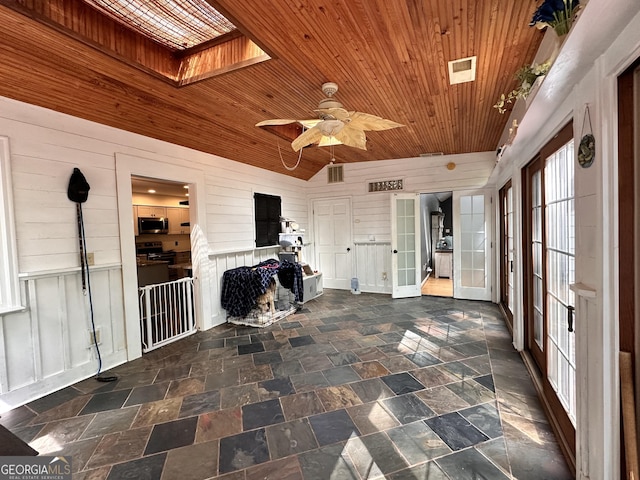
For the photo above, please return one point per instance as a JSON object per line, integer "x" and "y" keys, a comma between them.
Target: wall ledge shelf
{"x": 583, "y": 290}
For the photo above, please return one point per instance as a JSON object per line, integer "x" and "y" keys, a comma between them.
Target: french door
{"x": 472, "y": 245}
{"x": 405, "y": 245}
{"x": 549, "y": 246}
{"x": 506, "y": 252}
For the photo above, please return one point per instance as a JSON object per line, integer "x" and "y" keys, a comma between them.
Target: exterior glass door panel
{"x": 536, "y": 246}
{"x": 560, "y": 250}
{"x": 506, "y": 252}
{"x": 549, "y": 247}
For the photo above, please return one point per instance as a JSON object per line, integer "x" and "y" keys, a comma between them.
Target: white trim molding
{"x": 9, "y": 283}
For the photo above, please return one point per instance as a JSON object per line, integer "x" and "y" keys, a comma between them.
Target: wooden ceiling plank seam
{"x": 223, "y": 7}
{"x": 441, "y": 35}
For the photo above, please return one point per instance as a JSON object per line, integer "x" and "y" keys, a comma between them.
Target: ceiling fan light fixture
{"x": 330, "y": 128}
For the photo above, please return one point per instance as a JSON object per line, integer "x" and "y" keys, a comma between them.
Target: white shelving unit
{"x": 293, "y": 243}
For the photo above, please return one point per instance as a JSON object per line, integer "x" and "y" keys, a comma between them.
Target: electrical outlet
{"x": 384, "y": 275}
{"x": 90, "y": 258}
{"x": 91, "y": 339}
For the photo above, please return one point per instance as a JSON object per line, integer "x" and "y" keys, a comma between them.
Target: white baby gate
{"x": 166, "y": 312}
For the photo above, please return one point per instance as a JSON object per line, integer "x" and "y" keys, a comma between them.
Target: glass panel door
{"x": 560, "y": 253}
{"x": 506, "y": 252}
{"x": 537, "y": 249}
{"x": 549, "y": 244}
{"x": 472, "y": 245}
{"x": 405, "y": 245}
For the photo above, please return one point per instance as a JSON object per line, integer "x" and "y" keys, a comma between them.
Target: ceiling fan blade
{"x": 275, "y": 121}
{"x": 352, "y": 137}
{"x": 366, "y": 121}
{"x": 306, "y": 138}
{"x": 337, "y": 113}
{"x": 310, "y": 123}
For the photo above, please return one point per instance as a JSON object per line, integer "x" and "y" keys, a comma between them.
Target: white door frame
{"x": 126, "y": 166}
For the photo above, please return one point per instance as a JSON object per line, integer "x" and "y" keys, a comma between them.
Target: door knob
{"x": 348, "y": 249}
{"x": 395, "y": 251}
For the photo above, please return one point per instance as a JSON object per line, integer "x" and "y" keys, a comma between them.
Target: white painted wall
{"x": 372, "y": 211}
{"x": 44, "y": 347}
{"x": 604, "y": 41}
{"x": 428, "y": 203}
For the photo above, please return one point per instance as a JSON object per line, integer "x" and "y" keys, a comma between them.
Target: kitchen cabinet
{"x": 181, "y": 266}
{"x": 177, "y": 216}
{"x": 152, "y": 273}
{"x": 151, "y": 211}
{"x": 183, "y": 257}
{"x": 444, "y": 264}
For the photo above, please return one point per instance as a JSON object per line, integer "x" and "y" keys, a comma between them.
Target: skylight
{"x": 176, "y": 24}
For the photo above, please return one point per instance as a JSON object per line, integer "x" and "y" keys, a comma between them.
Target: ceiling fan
{"x": 334, "y": 125}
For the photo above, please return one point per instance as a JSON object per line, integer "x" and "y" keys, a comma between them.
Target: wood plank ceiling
{"x": 389, "y": 58}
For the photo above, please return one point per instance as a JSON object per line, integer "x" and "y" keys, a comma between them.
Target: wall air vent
{"x": 462, "y": 70}
{"x": 434, "y": 154}
{"x": 386, "y": 185}
{"x": 335, "y": 174}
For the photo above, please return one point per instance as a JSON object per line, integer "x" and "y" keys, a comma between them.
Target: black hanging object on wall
{"x": 78, "y": 190}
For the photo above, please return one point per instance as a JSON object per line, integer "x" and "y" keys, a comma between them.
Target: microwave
{"x": 153, "y": 225}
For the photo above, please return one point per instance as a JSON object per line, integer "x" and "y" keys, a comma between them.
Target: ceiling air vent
{"x": 335, "y": 174}
{"x": 462, "y": 70}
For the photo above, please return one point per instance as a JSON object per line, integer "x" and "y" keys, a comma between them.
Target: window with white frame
{"x": 9, "y": 285}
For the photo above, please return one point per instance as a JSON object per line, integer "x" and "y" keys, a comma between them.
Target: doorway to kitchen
{"x": 163, "y": 260}
{"x": 436, "y": 224}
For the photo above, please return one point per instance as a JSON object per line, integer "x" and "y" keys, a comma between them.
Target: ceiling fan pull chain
{"x": 291, "y": 169}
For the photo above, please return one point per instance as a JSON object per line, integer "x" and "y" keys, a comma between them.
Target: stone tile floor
{"x": 350, "y": 387}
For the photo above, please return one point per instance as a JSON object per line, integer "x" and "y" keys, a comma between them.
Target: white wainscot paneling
{"x": 47, "y": 347}
{"x": 224, "y": 261}
{"x": 373, "y": 259}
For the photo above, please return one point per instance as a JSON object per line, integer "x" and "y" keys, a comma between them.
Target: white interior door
{"x": 472, "y": 245}
{"x": 405, "y": 245}
{"x": 332, "y": 238}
